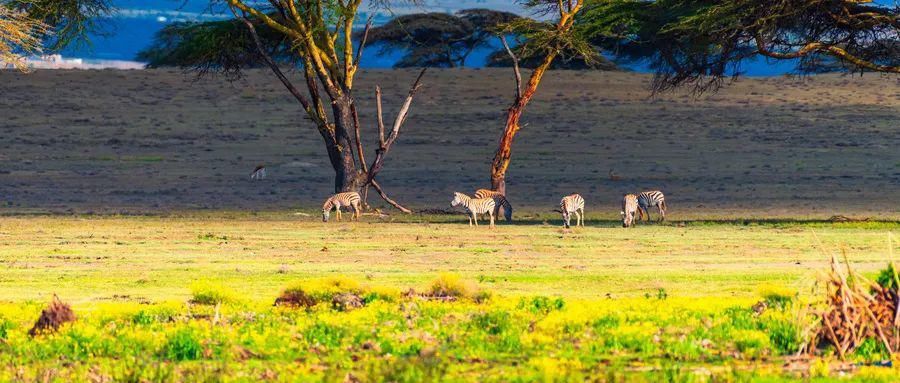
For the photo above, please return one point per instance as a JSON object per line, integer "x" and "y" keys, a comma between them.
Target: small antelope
{"x": 337, "y": 201}
{"x": 500, "y": 201}
{"x": 259, "y": 173}
{"x": 475, "y": 206}
{"x": 649, "y": 199}
{"x": 572, "y": 204}
{"x": 629, "y": 209}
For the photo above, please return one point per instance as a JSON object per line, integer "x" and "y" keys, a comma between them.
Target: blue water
{"x": 137, "y": 21}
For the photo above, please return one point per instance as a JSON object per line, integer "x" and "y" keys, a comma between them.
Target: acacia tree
{"x": 702, "y": 42}
{"x": 439, "y": 39}
{"x": 546, "y": 40}
{"x": 320, "y": 37}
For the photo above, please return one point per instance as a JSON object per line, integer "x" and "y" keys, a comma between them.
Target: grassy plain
{"x": 658, "y": 302}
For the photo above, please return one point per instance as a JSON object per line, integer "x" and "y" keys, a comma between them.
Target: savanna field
{"x": 137, "y": 212}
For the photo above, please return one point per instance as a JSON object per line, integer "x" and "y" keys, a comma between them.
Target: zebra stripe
{"x": 341, "y": 200}
{"x": 629, "y": 209}
{"x": 572, "y": 204}
{"x": 652, "y": 198}
{"x": 500, "y": 200}
{"x": 475, "y": 206}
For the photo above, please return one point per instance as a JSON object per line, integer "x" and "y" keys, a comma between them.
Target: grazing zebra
{"x": 475, "y": 206}
{"x": 259, "y": 173}
{"x": 629, "y": 209}
{"x": 500, "y": 200}
{"x": 649, "y": 199}
{"x": 337, "y": 201}
{"x": 572, "y": 204}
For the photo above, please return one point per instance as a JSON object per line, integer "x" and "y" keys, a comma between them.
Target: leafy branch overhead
{"x": 701, "y": 42}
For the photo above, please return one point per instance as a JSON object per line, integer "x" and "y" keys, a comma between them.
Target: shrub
{"x": 541, "y": 304}
{"x": 751, "y": 343}
{"x": 55, "y": 315}
{"x": 454, "y": 287}
{"x": 783, "y": 334}
{"x": 777, "y": 298}
{"x": 210, "y": 293}
{"x": 887, "y": 278}
{"x": 342, "y": 292}
{"x": 183, "y": 344}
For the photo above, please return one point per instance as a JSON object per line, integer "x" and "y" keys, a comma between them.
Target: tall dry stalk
{"x": 19, "y": 36}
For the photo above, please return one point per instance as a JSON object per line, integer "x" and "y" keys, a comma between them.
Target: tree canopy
{"x": 439, "y": 39}
{"x": 225, "y": 46}
{"x": 18, "y": 35}
{"x": 35, "y": 26}
{"x": 701, "y": 42}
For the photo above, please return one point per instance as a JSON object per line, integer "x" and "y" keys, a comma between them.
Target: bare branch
{"x": 387, "y": 199}
{"x": 380, "y": 116}
{"x": 515, "y": 60}
{"x": 362, "y": 42}
{"x": 382, "y": 151}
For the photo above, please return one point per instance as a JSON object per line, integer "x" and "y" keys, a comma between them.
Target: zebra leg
{"x": 580, "y": 218}
{"x": 356, "y": 211}
{"x": 475, "y": 217}
{"x": 662, "y": 212}
{"x": 491, "y": 213}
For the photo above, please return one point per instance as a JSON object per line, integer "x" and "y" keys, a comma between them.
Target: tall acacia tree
{"x": 320, "y": 35}
{"x": 546, "y": 40}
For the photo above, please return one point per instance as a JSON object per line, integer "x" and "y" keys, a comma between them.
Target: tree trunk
{"x": 514, "y": 114}
{"x": 346, "y": 177}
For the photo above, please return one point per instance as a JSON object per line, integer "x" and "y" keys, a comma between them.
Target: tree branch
{"x": 515, "y": 60}
{"x": 380, "y": 116}
{"x": 382, "y": 151}
{"x": 826, "y": 49}
{"x": 387, "y": 199}
{"x": 307, "y": 106}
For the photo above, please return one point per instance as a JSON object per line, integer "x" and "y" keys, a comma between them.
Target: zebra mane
{"x": 458, "y": 194}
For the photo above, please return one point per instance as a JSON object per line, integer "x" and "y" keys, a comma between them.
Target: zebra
{"x": 475, "y": 206}
{"x": 500, "y": 200}
{"x": 572, "y": 204}
{"x": 337, "y": 201}
{"x": 649, "y": 199}
{"x": 629, "y": 209}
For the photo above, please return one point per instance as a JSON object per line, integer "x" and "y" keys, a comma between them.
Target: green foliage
{"x": 225, "y": 46}
{"x": 700, "y": 42}
{"x": 71, "y": 20}
{"x": 183, "y": 344}
{"x": 541, "y": 304}
{"x": 888, "y": 278}
{"x": 438, "y": 39}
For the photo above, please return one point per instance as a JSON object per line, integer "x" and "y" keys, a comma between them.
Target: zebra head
{"x": 325, "y": 214}
{"x": 627, "y": 218}
{"x": 458, "y": 199}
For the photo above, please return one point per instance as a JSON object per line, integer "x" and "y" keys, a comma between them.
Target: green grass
{"x": 187, "y": 298}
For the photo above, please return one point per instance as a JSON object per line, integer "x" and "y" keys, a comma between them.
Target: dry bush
{"x": 52, "y": 317}
{"x": 857, "y": 309}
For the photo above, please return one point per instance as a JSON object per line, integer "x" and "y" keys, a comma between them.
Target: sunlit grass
{"x": 191, "y": 298}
